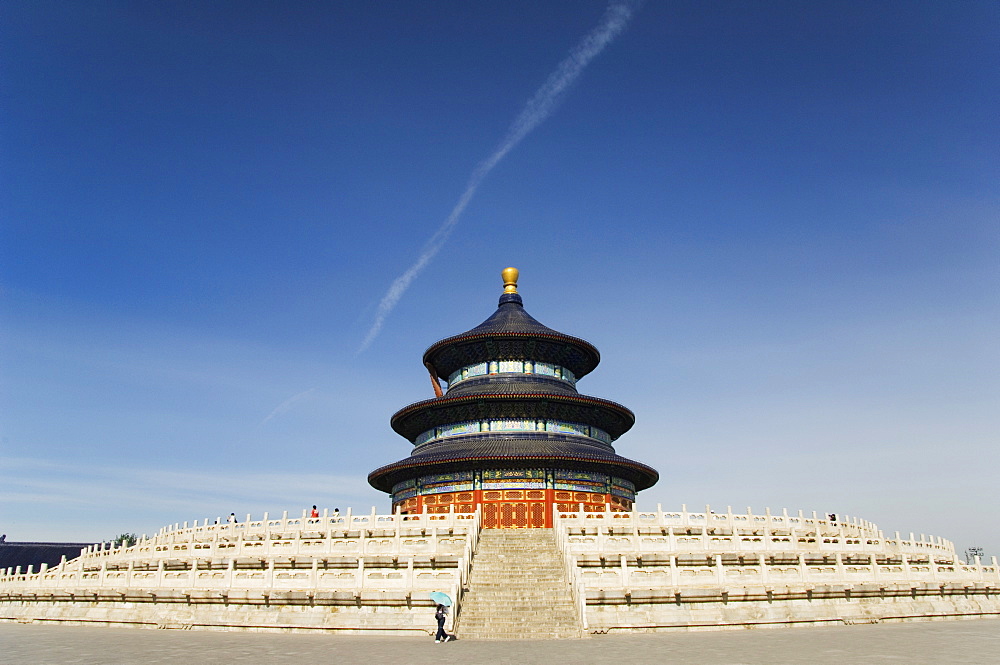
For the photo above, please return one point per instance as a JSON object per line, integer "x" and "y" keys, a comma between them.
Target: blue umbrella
{"x": 441, "y": 598}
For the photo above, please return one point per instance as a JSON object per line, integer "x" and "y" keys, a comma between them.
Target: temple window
{"x": 512, "y": 425}
{"x": 512, "y": 367}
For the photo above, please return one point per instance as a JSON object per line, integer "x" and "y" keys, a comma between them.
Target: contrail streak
{"x": 535, "y": 111}
{"x": 282, "y": 408}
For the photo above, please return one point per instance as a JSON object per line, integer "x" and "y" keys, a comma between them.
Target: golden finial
{"x": 509, "y": 280}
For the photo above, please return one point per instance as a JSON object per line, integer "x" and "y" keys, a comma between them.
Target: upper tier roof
{"x": 512, "y": 334}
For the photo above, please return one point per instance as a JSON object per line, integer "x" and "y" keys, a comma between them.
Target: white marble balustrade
{"x": 334, "y": 552}
{"x": 673, "y": 549}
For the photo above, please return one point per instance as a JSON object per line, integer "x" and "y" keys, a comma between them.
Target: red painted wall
{"x": 513, "y": 508}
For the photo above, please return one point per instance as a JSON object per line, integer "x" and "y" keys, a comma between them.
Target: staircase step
{"x": 518, "y": 589}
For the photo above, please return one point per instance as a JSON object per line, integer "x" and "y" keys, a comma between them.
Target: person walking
{"x": 441, "y": 614}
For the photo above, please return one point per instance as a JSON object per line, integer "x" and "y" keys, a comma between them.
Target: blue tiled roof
{"x": 610, "y": 416}
{"x": 478, "y": 451}
{"x": 511, "y": 333}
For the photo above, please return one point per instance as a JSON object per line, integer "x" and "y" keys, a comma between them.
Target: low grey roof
{"x": 20, "y": 554}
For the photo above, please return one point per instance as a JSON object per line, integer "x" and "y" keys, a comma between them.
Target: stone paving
{"x": 920, "y": 643}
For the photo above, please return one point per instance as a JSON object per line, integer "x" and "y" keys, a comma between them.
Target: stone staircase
{"x": 518, "y": 589}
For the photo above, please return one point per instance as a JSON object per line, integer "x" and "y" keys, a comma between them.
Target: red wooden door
{"x": 506, "y": 515}
{"x": 520, "y": 515}
{"x": 537, "y": 515}
{"x": 490, "y": 520}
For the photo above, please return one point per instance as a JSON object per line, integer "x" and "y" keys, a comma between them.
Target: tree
{"x": 125, "y": 540}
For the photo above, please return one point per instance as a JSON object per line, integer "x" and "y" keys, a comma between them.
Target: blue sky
{"x": 777, "y": 221}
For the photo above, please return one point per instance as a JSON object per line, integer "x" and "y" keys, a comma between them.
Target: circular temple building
{"x": 511, "y": 434}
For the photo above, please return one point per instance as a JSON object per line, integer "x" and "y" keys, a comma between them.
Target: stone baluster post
{"x": 396, "y": 536}
{"x": 477, "y": 525}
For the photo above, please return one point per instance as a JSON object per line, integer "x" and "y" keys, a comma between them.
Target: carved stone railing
{"x": 673, "y": 549}
{"x": 410, "y": 555}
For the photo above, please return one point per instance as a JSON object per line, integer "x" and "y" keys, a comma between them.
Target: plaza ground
{"x": 917, "y": 643}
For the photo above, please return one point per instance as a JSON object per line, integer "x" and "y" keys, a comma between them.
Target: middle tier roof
{"x": 513, "y": 399}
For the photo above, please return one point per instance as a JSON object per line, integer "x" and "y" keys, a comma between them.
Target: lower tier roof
{"x": 479, "y": 452}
